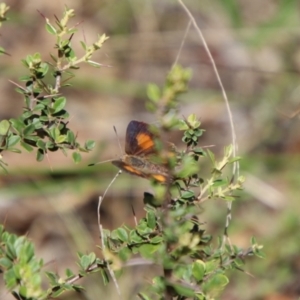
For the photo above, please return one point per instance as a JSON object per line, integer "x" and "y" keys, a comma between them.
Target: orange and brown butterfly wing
{"x": 128, "y": 168}
{"x": 139, "y": 140}
{"x": 144, "y": 170}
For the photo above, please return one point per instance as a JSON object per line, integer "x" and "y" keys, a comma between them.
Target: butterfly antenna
{"x": 105, "y": 161}
{"x": 121, "y": 151}
{"x": 100, "y": 162}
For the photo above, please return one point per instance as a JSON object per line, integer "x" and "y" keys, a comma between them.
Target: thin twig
{"x": 47, "y": 96}
{"x": 19, "y": 86}
{"x": 131, "y": 263}
{"x": 134, "y": 216}
{"x": 57, "y": 81}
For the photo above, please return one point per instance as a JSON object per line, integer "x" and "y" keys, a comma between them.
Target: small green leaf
{"x": 10, "y": 279}
{"x": 44, "y": 118}
{"x": 194, "y": 138}
{"x": 124, "y": 254}
{"x": 211, "y": 266}
{"x": 29, "y": 59}
{"x": 253, "y": 241}
{"x": 69, "y": 273}
{"x": 59, "y": 104}
{"x": 58, "y": 291}
{"x": 148, "y": 250}
{"x": 26, "y": 146}
{"x": 85, "y": 262}
{"x": 122, "y": 234}
{"x": 41, "y": 144}
{"x": 188, "y": 194}
{"x": 36, "y": 56}
{"x": 63, "y": 114}
{"x": 228, "y": 150}
{"x": 156, "y": 240}
{"x": 143, "y": 229}
{"x": 71, "y": 137}
{"x": 23, "y": 291}
{"x": 234, "y": 159}
{"x": 11, "y": 251}
{"x": 4, "y": 127}
{"x": 214, "y": 286}
{"x": 5, "y": 263}
{"x": 40, "y": 155}
{"x": 77, "y": 288}
{"x": 198, "y": 151}
{"x": 28, "y": 130}
{"x": 134, "y": 237}
{"x": 50, "y": 28}
{"x": 33, "y": 138}
{"x": 83, "y": 44}
{"x": 188, "y": 167}
{"x": 229, "y": 198}
{"x": 51, "y": 146}
{"x": 198, "y": 269}
{"x": 220, "y": 182}
{"x": 211, "y": 156}
{"x": 54, "y": 132}
{"x": 151, "y": 219}
{"x": 14, "y": 150}
{"x": 153, "y": 92}
{"x": 41, "y": 72}
{"x": 60, "y": 139}
{"x": 2, "y": 51}
{"x": 105, "y": 277}
{"x": 37, "y": 123}
{"x": 76, "y": 157}
{"x": 53, "y": 57}
{"x": 52, "y": 277}
{"x": 192, "y": 120}
{"x": 182, "y": 125}
{"x": 17, "y": 124}
{"x": 13, "y": 140}
{"x": 89, "y": 145}
{"x": 183, "y": 290}
{"x": 92, "y": 258}
{"x": 198, "y": 132}
{"x": 143, "y": 296}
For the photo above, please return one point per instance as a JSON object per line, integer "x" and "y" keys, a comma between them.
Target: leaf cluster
{"x": 43, "y": 126}
{"x": 21, "y": 268}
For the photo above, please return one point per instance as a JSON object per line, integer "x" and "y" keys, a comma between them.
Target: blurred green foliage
{"x": 272, "y": 155}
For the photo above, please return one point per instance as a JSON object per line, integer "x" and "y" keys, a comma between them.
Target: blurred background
{"x": 256, "y": 46}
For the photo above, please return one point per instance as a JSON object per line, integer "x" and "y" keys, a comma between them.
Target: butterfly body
{"x": 138, "y": 148}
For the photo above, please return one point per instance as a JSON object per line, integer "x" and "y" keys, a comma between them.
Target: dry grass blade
{"x": 182, "y": 43}
{"x": 101, "y": 198}
{"x": 235, "y": 171}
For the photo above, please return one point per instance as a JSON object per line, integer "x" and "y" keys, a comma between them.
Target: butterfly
{"x": 139, "y": 146}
